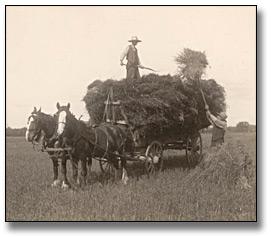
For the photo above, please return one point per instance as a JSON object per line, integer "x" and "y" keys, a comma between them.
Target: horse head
{"x": 62, "y": 116}
{"x": 33, "y": 132}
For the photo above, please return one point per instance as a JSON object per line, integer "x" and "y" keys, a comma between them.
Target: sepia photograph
{"x": 131, "y": 113}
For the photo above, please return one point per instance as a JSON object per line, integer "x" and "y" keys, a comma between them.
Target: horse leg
{"x": 75, "y": 169}
{"x": 83, "y": 172}
{"x": 124, "y": 170}
{"x": 65, "y": 183}
{"x": 56, "y": 181}
{"x": 124, "y": 165}
{"x": 89, "y": 162}
{"x": 115, "y": 163}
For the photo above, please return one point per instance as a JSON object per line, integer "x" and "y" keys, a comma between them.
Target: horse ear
{"x": 40, "y": 110}
{"x": 35, "y": 109}
{"x": 58, "y": 106}
{"x": 68, "y": 106}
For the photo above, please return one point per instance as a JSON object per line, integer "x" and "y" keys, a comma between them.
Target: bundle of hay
{"x": 228, "y": 166}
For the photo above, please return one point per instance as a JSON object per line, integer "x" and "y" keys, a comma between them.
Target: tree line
{"x": 243, "y": 127}
{"x": 15, "y": 132}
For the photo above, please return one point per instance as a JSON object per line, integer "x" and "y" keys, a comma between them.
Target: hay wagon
{"x": 149, "y": 142}
{"x": 149, "y": 147}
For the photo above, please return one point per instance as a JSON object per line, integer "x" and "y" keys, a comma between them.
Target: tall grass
{"x": 222, "y": 187}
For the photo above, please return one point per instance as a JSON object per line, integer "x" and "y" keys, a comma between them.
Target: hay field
{"x": 221, "y": 188}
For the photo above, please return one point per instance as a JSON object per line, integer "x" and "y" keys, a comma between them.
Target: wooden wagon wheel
{"x": 105, "y": 166}
{"x": 154, "y": 159}
{"x": 194, "y": 150}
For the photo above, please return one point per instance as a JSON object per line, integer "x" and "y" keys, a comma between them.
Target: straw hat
{"x": 134, "y": 38}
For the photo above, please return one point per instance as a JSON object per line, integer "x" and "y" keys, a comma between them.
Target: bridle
{"x": 35, "y": 121}
{"x": 37, "y": 129}
{"x": 57, "y": 115}
{"x": 62, "y": 122}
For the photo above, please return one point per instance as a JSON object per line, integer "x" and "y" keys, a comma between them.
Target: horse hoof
{"x": 55, "y": 183}
{"x": 65, "y": 185}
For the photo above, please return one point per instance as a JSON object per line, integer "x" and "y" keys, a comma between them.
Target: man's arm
{"x": 124, "y": 54}
{"x": 140, "y": 64}
{"x": 215, "y": 121}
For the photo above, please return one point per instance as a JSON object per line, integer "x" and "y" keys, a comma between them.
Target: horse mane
{"x": 72, "y": 115}
{"x": 47, "y": 117}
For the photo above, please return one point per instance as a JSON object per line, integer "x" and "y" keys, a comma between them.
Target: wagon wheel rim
{"x": 105, "y": 166}
{"x": 154, "y": 158}
{"x": 194, "y": 150}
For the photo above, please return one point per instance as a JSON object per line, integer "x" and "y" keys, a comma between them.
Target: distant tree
{"x": 242, "y": 126}
{"x": 252, "y": 128}
{"x": 231, "y": 129}
{"x": 15, "y": 132}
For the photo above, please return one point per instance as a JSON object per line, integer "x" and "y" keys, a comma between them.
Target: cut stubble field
{"x": 221, "y": 188}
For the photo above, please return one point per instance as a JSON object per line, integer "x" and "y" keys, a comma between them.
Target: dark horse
{"x": 41, "y": 129}
{"x": 105, "y": 141}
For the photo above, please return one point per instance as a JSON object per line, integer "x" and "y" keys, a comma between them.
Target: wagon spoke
{"x": 149, "y": 166}
{"x": 152, "y": 169}
{"x": 154, "y": 160}
{"x": 105, "y": 166}
{"x": 194, "y": 150}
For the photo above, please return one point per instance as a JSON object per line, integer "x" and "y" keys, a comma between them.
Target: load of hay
{"x": 161, "y": 104}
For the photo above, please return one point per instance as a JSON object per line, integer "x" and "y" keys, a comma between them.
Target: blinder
{"x": 35, "y": 121}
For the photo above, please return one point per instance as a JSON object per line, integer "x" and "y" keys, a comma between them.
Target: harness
{"x": 78, "y": 134}
{"x": 96, "y": 145}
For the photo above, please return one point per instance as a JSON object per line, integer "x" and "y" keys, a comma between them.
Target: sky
{"x": 54, "y": 53}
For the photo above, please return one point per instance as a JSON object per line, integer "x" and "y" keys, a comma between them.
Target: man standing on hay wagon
{"x": 133, "y": 61}
{"x": 219, "y": 126}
